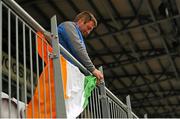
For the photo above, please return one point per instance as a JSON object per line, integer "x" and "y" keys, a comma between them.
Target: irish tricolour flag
{"x": 77, "y": 87}
{"x": 78, "y": 90}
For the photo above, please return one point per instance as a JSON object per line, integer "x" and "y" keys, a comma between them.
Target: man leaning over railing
{"x": 71, "y": 38}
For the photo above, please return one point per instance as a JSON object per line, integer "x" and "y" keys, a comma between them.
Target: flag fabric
{"x": 41, "y": 98}
{"x": 89, "y": 85}
{"x": 77, "y": 87}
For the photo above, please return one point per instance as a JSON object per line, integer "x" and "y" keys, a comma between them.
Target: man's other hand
{"x": 98, "y": 74}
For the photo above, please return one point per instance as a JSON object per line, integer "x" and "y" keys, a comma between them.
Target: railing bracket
{"x": 52, "y": 56}
{"x": 102, "y": 96}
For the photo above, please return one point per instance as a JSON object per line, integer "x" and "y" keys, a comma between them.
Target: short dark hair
{"x": 86, "y": 16}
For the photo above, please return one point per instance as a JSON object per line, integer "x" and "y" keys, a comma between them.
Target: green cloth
{"x": 89, "y": 85}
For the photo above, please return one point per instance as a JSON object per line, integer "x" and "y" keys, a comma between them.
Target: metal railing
{"x": 23, "y": 62}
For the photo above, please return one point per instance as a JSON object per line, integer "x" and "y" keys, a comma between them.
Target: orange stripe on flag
{"x": 44, "y": 76}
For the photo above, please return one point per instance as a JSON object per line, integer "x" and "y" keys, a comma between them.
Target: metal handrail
{"x": 116, "y": 99}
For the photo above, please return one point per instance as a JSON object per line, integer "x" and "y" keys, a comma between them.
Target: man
{"x": 71, "y": 38}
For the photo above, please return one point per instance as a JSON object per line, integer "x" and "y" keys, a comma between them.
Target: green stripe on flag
{"x": 89, "y": 85}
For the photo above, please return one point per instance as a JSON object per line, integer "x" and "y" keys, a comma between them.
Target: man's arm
{"x": 77, "y": 46}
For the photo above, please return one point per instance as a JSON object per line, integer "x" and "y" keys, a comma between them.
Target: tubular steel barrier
{"x": 29, "y": 64}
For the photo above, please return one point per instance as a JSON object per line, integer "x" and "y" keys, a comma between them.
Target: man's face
{"x": 86, "y": 28}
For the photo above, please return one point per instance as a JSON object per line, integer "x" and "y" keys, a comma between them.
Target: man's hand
{"x": 98, "y": 74}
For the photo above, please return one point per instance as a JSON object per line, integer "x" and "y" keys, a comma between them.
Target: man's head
{"x": 86, "y": 22}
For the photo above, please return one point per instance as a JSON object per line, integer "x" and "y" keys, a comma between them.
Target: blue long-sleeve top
{"x": 70, "y": 37}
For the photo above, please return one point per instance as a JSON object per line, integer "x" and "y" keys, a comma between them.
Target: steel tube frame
{"x": 0, "y": 56}
{"x": 60, "y": 102}
{"x": 129, "y": 107}
{"x": 17, "y": 65}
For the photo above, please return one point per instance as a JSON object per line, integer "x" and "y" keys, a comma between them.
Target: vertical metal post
{"x": 0, "y": 56}
{"x": 94, "y": 106}
{"x": 112, "y": 115}
{"x": 129, "y": 107}
{"x": 9, "y": 60}
{"x": 31, "y": 67}
{"x": 17, "y": 65}
{"x": 24, "y": 60}
{"x": 103, "y": 98}
{"x": 120, "y": 112}
{"x": 59, "y": 91}
{"x": 88, "y": 111}
{"x": 145, "y": 116}
{"x": 99, "y": 105}
{"x": 113, "y": 109}
{"x": 44, "y": 78}
{"x": 116, "y": 109}
{"x": 37, "y": 69}
{"x": 91, "y": 107}
{"x": 110, "y": 108}
{"x": 97, "y": 109}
